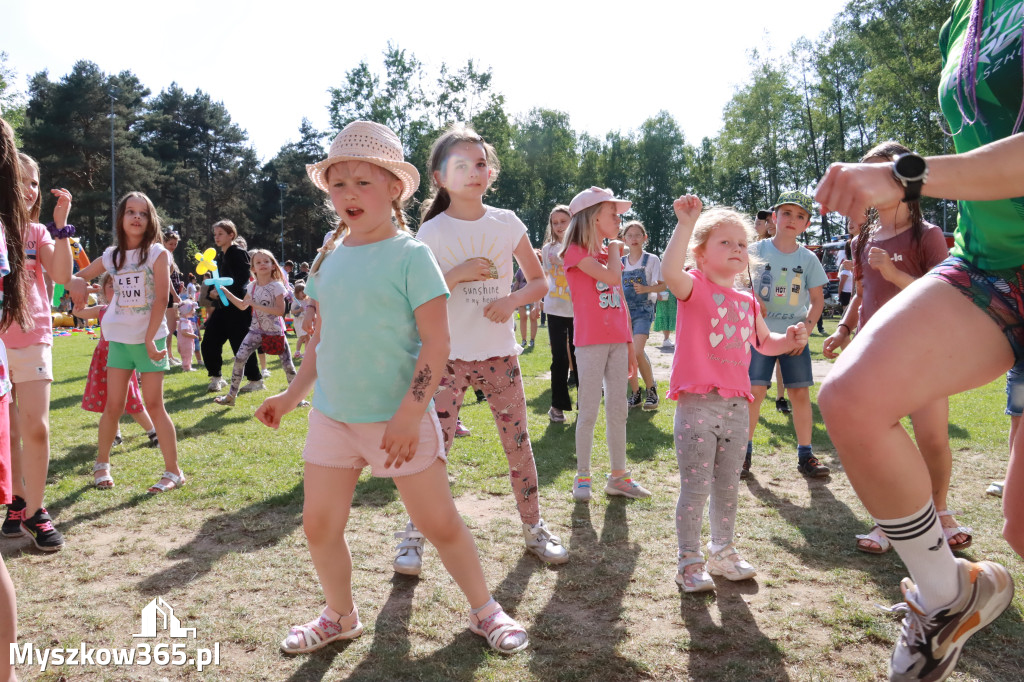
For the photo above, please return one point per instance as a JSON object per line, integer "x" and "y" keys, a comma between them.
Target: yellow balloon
{"x": 206, "y": 263}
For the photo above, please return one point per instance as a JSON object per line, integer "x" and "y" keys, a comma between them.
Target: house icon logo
{"x": 158, "y": 614}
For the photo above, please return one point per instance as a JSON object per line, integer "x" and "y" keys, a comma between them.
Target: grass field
{"x": 228, "y": 553}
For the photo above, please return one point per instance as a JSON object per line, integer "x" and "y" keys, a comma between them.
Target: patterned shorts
{"x": 1000, "y": 293}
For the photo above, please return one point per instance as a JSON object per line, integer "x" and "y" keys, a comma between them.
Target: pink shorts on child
{"x": 341, "y": 445}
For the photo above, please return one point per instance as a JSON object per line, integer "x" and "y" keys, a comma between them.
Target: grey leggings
{"x": 711, "y": 440}
{"x": 606, "y": 363}
{"x": 251, "y": 344}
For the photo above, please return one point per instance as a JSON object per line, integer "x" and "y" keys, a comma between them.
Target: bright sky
{"x": 610, "y": 66}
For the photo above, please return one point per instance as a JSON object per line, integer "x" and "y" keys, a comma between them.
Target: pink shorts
{"x": 340, "y": 445}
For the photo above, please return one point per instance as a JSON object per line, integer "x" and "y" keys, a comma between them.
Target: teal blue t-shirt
{"x": 782, "y": 283}
{"x": 369, "y": 343}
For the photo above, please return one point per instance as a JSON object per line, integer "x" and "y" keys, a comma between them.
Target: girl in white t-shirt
{"x": 266, "y": 296}
{"x": 641, "y": 284}
{"x": 134, "y": 325}
{"x": 474, "y": 245}
{"x": 558, "y": 306}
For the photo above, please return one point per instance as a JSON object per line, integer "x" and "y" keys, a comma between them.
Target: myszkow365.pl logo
{"x": 157, "y": 615}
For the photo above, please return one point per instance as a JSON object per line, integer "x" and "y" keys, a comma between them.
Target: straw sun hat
{"x": 372, "y": 143}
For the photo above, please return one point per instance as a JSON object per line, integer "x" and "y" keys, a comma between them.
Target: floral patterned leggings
{"x": 251, "y": 344}
{"x": 499, "y": 379}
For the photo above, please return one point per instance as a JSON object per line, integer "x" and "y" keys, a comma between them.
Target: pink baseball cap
{"x": 593, "y": 197}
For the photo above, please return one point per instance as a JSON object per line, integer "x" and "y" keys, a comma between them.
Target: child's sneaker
{"x": 651, "y": 402}
{"x": 460, "y": 430}
{"x": 995, "y": 489}
{"x": 930, "y": 643}
{"x": 581, "y": 488}
{"x": 635, "y": 399}
{"x": 154, "y": 442}
{"x": 782, "y": 405}
{"x": 216, "y": 385}
{"x": 118, "y": 439}
{"x": 266, "y": 374}
{"x": 745, "y": 471}
{"x": 44, "y": 535}
{"x": 728, "y": 563}
{"x": 812, "y": 468}
{"x": 626, "y": 487}
{"x": 12, "y": 521}
{"x": 252, "y": 386}
{"x": 409, "y": 553}
{"x": 694, "y": 579}
{"x": 556, "y": 415}
{"x": 540, "y": 541}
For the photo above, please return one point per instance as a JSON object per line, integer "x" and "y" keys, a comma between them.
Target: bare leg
{"x": 780, "y": 388}
{"x": 956, "y": 347}
{"x": 152, "y": 384}
{"x": 8, "y": 621}
{"x": 428, "y": 500}
{"x": 1013, "y": 500}
{"x": 30, "y": 441}
{"x": 643, "y": 364}
{"x": 143, "y": 420}
{"x": 803, "y": 416}
{"x": 325, "y": 512}
{"x": 931, "y": 431}
{"x": 171, "y": 317}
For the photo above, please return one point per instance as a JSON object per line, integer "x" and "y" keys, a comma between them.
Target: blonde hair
{"x": 397, "y": 212}
{"x": 106, "y": 278}
{"x": 35, "y": 209}
{"x": 549, "y": 236}
{"x": 582, "y": 231}
{"x": 709, "y": 221}
{"x": 275, "y": 272}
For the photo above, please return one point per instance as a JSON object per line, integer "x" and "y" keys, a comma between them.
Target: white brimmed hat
{"x": 373, "y": 143}
{"x": 594, "y": 196}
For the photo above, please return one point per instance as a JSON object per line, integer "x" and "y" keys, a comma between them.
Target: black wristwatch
{"x": 911, "y": 171}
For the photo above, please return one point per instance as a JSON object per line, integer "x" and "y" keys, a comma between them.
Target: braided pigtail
{"x": 328, "y": 246}
{"x": 400, "y": 218}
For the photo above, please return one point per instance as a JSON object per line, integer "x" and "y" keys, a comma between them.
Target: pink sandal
{"x": 316, "y": 634}
{"x": 496, "y": 627}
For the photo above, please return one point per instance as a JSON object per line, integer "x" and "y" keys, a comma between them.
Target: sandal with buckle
{"x": 174, "y": 478}
{"x": 316, "y": 634}
{"x": 104, "y": 482}
{"x": 877, "y": 536}
{"x": 696, "y": 580}
{"x": 497, "y": 627}
{"x": 953, "y": 531}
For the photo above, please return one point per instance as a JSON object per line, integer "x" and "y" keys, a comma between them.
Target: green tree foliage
{"x": 68, "y": 129}
{"x": 12, "y": 106}
{"x": 872, "y": 76}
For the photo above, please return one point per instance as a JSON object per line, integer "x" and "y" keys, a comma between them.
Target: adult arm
{"x": 990, "y": 172}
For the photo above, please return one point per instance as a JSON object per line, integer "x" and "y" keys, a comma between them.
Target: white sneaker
{"x": 581, "y": 488}
{"x": 253, "y": 386}
{"x": 409, "y": 553}
{"x": 216, "y": 385}
{"x": 266, "y": 374}
{"x": 541, "y": 542}
{"x": 729, "y": 564}
{"x": 696, "y": 580}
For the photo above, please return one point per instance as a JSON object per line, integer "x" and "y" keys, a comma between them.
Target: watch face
{"x": 910, "y": 166}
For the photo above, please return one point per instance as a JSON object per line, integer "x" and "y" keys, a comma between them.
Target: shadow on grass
{"x": 580, "y": 629}
{"x": 828, "y": 527}
{"x": 388, "y": 658}
{"x": 736, "y": 649}
{"x": 252, "y": 529}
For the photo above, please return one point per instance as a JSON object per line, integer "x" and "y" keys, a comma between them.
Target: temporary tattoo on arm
{"x": 420, "y": 383}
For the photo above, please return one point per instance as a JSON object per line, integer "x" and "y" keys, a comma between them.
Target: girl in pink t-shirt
{"x": 602, "y": 334}
{"x": 715, "y": 327}
{"x": 30, "y": 358}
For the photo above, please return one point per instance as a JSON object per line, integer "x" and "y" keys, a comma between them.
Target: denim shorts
{"x": 1015, "y": 391}
{"x": 1000, "y": 293}
{"x": 796, "y": 369}
{"x": 642, "y": 321}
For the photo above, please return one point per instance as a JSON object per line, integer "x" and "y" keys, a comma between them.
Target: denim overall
{"x": 640, "y": 305}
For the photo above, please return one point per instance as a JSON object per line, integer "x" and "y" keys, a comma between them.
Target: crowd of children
{"x": 441, "y": 319}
